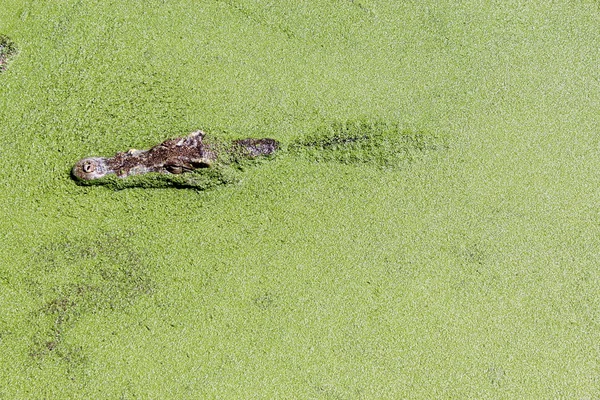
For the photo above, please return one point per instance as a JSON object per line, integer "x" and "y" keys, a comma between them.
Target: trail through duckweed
{"x": 376, "y": 143}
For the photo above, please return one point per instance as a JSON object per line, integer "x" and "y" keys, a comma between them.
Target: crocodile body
{"x": 174, "y": 156}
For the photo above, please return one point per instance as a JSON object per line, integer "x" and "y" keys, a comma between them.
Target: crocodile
{"x": 174, "y": 156}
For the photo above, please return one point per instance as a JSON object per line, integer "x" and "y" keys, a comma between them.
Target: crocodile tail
{"x": 256, "y": 147}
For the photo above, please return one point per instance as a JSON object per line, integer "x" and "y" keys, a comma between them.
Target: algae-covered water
{"x": 459, "y": 259}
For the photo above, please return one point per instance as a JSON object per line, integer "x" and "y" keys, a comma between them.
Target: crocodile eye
{"x": 88, "y": 167}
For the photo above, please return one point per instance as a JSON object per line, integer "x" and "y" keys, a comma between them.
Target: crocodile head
{"x": 91, "y": 168}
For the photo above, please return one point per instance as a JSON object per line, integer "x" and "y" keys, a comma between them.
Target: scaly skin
{"x": 174, "y": 156}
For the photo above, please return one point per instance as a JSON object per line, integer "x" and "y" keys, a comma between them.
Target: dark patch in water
{"x": 265, "y": 301}
{"x": 8, "y": 50}
{"x": 78, "y": 277}
{"x": 496, "y": 374}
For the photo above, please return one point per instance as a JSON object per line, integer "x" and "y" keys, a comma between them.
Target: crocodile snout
{"x": 90, "y": 168}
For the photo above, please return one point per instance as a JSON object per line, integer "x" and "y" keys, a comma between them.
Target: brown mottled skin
{"x": 174, "y": 156}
